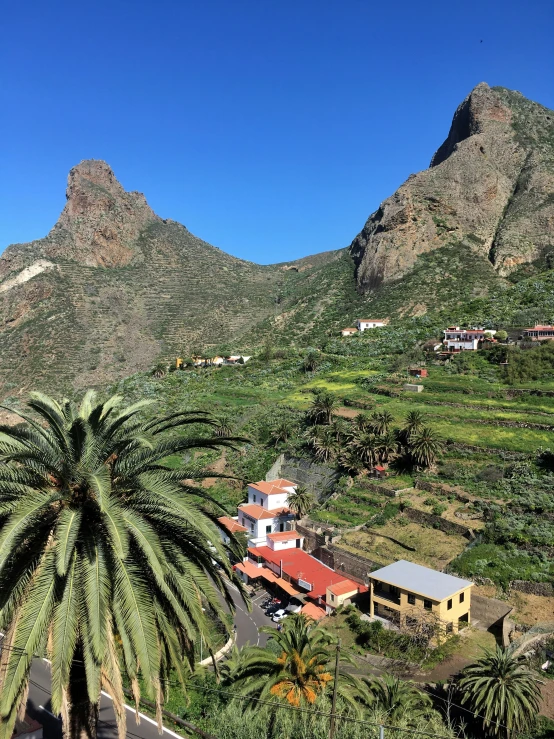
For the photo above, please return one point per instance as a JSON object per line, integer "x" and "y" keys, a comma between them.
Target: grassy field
{"x": 429, "y": 547}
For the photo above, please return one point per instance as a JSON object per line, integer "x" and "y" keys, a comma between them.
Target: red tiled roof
{"x": 270, "y": 488}
{"x": 284, "y": 536}
{"x": 379, "y": 467}
{"x": 282, "y": 483}
{"x": 249, "y": 569}
{"x": 231, "y": 525}
{"x": 313, "y": 611}
{"x": 298, "y": 564}
{"x": 257, "y": 512}
{"x": 346, "y": 586}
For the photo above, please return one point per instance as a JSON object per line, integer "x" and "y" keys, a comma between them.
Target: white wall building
{"x": 459, "y": 339}
{"x": 364, "y": 323}
{"x": 266, "y": 511}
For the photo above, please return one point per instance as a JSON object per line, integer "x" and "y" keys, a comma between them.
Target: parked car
{"x": 279, "y": 615}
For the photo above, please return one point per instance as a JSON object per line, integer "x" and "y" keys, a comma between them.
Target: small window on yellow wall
{"x": 449, "y": 605}
{"x": 462, "y": 597}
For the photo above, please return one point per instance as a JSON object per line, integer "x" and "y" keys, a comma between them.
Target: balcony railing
{"x": 386, "y": 595}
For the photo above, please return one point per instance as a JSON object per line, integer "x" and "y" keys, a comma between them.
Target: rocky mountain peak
{"x": 487, "y": 191}
{"x": 481, "y": 108}
{"x": 101, "y": 221}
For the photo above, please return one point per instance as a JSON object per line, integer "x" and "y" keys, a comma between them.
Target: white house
{"x": 230, "y": 525}
{"x": 349, "y": 331}
{"x": 266, "y": 510}
{"x": 459, "y": 339}
{"x": 365, "y": 323}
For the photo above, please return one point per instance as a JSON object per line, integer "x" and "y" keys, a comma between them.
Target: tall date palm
{"x": 106, "y": 557}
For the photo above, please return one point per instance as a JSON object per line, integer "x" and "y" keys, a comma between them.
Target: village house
{"x": 286, "y": 567}
{"x": 539, "y": 333}
{"x": 237, "y": 359}
{"x": 349, "y": 331}
{"x": 458, "y": 339}
{"x": 230, "y": 526}
{"x": 365, "y": 323}
{"x": 266, "y": 510}
{"x": 404, "y": 592}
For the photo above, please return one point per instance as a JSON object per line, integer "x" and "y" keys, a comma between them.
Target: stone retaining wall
{"x": 312, "y": 538}
{"x": 346, "y": 563}
{"x": 533, "y": 588}
{"x": 317, "y": 478}
{"x": 429, "y": 519}
{"x": 376, "y": 488}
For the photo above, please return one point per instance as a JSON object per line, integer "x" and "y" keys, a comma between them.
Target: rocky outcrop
{"x": 488, "y": 189}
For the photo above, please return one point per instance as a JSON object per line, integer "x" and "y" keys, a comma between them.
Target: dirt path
{"x": 346, "y": 412}
{"x": 219, "y": 467}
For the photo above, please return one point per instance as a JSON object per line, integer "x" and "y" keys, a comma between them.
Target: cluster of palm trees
{"x": 109, "y": 561}
{"x": 368, "y": 440}
{"x": 499, "y": 690}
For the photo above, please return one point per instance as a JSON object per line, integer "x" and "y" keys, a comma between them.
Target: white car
{"x": 279, "y": 615}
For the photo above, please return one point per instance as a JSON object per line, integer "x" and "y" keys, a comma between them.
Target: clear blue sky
{"x": 270, "y": 129}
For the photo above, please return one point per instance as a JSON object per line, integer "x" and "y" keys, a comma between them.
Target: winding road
{"x": 39, "y": 706}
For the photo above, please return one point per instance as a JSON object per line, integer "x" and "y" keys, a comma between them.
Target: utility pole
{"x": 381, "y": 732}
{"x": 335, "y": 688}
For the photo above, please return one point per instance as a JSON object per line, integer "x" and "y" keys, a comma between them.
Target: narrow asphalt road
{"x": 39, "y": 706}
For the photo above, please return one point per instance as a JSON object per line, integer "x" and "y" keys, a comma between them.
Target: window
{"x": 268, "y": 529}
{"x": 411, "y": 599}
{"x": 449, "y": 627}
{"x": 332, "y": 598}
{"x": 449, "y": 605}
{"x": 462, "y": 597}
{"x": 253, "y": 499}
{"x": 427, "y": 604}
{"x": 252, "y": 527}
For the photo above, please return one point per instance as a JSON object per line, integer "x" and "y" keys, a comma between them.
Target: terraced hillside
{"x": 113, "y": 287}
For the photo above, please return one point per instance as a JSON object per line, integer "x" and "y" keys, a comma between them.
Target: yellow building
{"x": 404, "y": 591}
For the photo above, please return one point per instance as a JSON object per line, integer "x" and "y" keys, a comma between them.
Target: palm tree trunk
{"x": 83, "y": 715}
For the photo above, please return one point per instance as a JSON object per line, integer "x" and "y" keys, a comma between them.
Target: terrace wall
{"x": 429, "y": 519}
{"x": 346, "y": 563}
{"x": 317, "y": 478}
{"x": 533, "y": 588}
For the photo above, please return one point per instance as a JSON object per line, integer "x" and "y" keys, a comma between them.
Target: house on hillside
{"x": 266, "y": 511}
{"x": 237, "y": 359}
{"x": 230, "y": 526}
{"x": 539, "y": 332}
{"x": 407, "y": 593}
{"x": 290, "y": 571}
{"x": 458, "y": 339}
{"x": 349, "y": 331}
{"x": 365, "y": 323}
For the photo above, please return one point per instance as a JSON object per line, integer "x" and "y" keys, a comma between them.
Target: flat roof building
{"x": 407, "y": 590}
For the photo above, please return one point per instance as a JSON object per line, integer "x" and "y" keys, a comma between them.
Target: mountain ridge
{"x": 113, "y": 287}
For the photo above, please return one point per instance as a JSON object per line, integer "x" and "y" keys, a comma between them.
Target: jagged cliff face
{"x": 489, "y": 188}
{"x": 113, "y": 287}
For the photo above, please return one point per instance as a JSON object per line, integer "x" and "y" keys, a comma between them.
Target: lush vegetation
{"x": 109, "y": 563}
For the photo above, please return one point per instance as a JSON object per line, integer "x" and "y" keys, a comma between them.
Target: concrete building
{"x": 349, "y": 331}
{"x": 539, "y": 333}
{"x": 458, "y": 339}
{"x": 404, "y": 591}
{"x": 266, "y": 511}
{"x": 365, "y": 323}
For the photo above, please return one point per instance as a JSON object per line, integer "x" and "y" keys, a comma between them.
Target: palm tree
{"x": 224, "y": 426}
{"x": 424, "y": 447}
{"x": 322, "y": 441}
{"x": 351, "y": 462}
{"x": 282, "y": 432}
{"x": 301, "y": 501}
{"x": 106, "y": 557}
{"x": 398, "y": 698}
{"x": 366, "y": 446}
{"x": 300, "y": 672}
{"x": 323, "y": 405}
{"x": 388, "y": 447}
{"x": 413, "y": 425}
{"x": 311, "y": 362}
{"x": 381, "y": 422}
{"x": 503, "y": 691}
{"x": 363, "y": 423}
